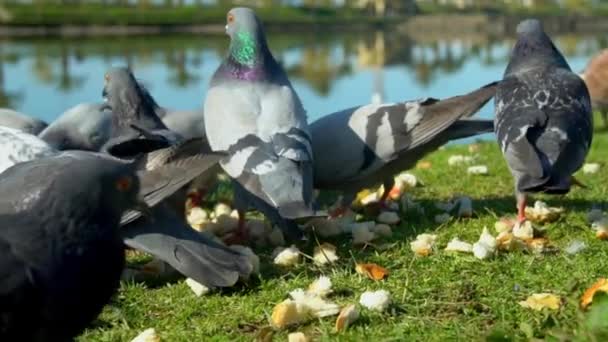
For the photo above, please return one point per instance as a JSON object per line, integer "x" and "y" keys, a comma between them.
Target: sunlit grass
{"x": 437, "y": 298}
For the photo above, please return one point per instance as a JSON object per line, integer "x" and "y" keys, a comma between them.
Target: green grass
{"x": 97, "y": 14}
{"x": 437, "y": 298}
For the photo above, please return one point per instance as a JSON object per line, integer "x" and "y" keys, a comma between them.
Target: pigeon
{"x": 135, "y": 126}
{"x": 252, "y": 111}
{"x": 20, "y": 121}
{"x": 83, "y": 127}
{"x": 170, "y": 162}
{"x": 17, "y": 146}
{"x": 362, "y": 146}
{"x": 161, "y": 233}
{"x": 543, "y": 119}
{"x": 61, "y": 254}
{"x": 596, "y": 79}
{"x": 138, "y": 129}
{"x": 86, "y": 126}
{"x": 186, "y": 123}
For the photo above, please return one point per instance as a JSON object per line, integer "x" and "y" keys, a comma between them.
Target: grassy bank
{"x": 95, "y": 14}
{"x": 436, "y": 298}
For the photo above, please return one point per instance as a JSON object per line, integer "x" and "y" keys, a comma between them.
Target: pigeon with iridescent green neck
{"x": 253, "y": 112}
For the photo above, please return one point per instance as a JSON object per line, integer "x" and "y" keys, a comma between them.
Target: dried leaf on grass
{"x": 599, "y": 286}
{"x": 372, "y": 271}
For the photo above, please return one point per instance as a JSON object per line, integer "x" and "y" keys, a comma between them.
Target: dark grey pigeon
{"x": 252, "y": 111}
{"x": 135, "y": 126}
{"x": 17, "y": 146}
{"x": 61, "y": 254}
{"x": 85, "y": 126}
{"x": 543, "y": 116}
{"x": 170, "y": 162}
{"x": 20, "y": 121}
{"x": 165, "y": 235}
{"x": 362, "y": 146}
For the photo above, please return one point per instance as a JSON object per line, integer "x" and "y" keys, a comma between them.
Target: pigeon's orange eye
{"x": 230, "y": 18}
{"x": 123, "y": 184}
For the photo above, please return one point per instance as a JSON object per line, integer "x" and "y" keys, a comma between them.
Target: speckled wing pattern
{"x": 17, "y": 147}
{"x": 543, "y": 125}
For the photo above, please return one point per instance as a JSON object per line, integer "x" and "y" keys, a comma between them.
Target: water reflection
{"x": 43, "y": 77}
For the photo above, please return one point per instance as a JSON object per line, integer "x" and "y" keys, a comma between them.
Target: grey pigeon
{"x": 170, "y": 163}
{"x": 363, "y": 146}
{"x": 135, "y": 126}
{"x": 187, "y": 123}
{"x": 17, "y": 146}
{"x": 137, "y": 129}
{"x": 85, "y": 126}
{"x": 61, "y": 254}
{"x": 20, "y": 121}
{"x": 252, "y": 111}
{"x": 543, "y": 117}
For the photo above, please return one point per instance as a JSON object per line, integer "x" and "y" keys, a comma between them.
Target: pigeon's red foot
{"x": 238, "y": 237}
{"x": 338, "y": 212}
{"x": 521, "y": 211}
{"x": 195, "y": 198}
{"x": 578, "y": 183}
{"x": 241, "y": 234}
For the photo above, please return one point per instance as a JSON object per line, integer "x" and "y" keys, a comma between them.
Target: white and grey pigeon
{"x": 362, "y": 146}
{"x": 23, "y": 122}
{"x": 543, "y": 117}
{"x": 252, "y": 111}
{"x": 85, "y": 126}
{"x": 17, "y": 146}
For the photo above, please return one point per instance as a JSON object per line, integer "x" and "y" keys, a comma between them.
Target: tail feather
{"x": 193, "y": 254}
{"x": 465, "y": 128}
{"x": 439, "y": 115}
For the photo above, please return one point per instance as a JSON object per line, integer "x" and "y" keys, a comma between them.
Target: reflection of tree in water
{"x": 320, "y": 59}
{"x": 436, "y": 59}
{"x": 177, "y": 61}
{"x": 43, "y": 65}
{"x": 66, "y": 80}
{"x": 318, "y": 68}
{"x": 7, "y": 99}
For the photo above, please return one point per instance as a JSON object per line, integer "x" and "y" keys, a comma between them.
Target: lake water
{"x": 44, "y": 77}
